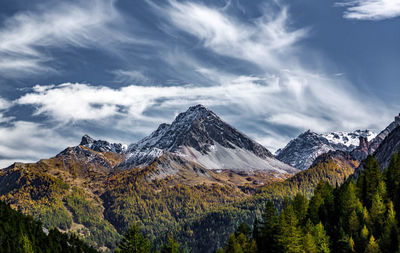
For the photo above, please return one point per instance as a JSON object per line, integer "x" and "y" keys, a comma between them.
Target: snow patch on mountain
{"x": 349, "y": 139}
{"x": 236, "y": 159}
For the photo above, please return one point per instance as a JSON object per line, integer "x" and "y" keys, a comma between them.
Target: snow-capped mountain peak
{"x": 199, "y": 135}
{"x": 303, "y": 150}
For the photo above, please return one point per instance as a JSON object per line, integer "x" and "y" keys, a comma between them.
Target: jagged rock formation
{"x": 102, "y": 146}
{"x": 303, "y": 150}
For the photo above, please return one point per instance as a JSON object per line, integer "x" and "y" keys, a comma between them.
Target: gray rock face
{"x": 389, "y": 146}
{"x": 102, "y": 146}
{"x": 362, "y": 151}
{"x": 303, "y": 150}
{"x": 382, "y": 135}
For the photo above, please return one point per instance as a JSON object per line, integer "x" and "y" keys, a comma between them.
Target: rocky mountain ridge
{"x": 304, "y": 149}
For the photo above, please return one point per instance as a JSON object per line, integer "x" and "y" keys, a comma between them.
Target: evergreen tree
{"x": 321, "y": 238}
{"x": 370, "y": 180}
{"x": 134, "y": 241}
{"x": 309, "y": 245}
{"x": 233, "y": 245}
{"x": 171, "y": 246}
{"x": 351, "y": 245}
{"x": 243, "y": 229}
{"x": 390, "y": 238}
{"x": 393, "y": 181}
{"x": 290, "y": 236}
{"x": 300, "y": 205}
{"x": 377, "y": 214}
{"x": 268, "y": 229}
{"x": 372, "y": 246}
{"x": 354, "y": 223}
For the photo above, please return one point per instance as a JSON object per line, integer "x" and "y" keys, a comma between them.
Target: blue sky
{"x": 117, "y": 69}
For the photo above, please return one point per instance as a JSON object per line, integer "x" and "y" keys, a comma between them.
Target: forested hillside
{"x": 359, "y": 216}
{"x": 22, "y": 234}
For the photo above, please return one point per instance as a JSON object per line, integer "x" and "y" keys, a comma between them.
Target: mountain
{"x": 383, "y": 134}
{"x": 97, "y": 189}
{"x": 197, "y": 178}
{"x": 198, "y": 135}
{"x": 303, "y": 150}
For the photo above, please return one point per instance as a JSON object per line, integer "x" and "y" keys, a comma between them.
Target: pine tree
{"x": 377, "y": 214}
{"x": 393, "y": 181}
{"x": 171, "y": 246}
{"x": 390, "y": 237}
{"x": 268, "y": 229}
{"x": 309, "y": 245}
{"x": 372, "y": 246}
{"x": 321, "y": 238}
{"x": 133, "y": 241}
{"x": 233, "y": 245}
{"x": 354, "y": 223}
{"x": 300, "y": 205}
{"x": 351, "y": 245}
{"x": 290, "y": 236}
{"x": 243, "y": 229}
{"x": 371, "y": 178}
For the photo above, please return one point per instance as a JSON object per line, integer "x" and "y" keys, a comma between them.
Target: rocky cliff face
{"x": 375, "y": 143}
{"x": 389, "y": 146}
{"x": 384, "y": 145}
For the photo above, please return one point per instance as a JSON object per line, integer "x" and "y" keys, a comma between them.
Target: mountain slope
{"x": 64, "y": 191}
{"x": 200, "y": 136}
{"x": 303, "y": 150}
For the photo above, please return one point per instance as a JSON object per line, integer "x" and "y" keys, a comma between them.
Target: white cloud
{"x": 25, "y": 38}
{"x": 264, "y": 42}
{"x": 314, "y": 105}
{"x": 128, "y": 76}
{"x": 371, "y": 9}
{"x": 27, "y": 142}
{"x": 4, "y": 104}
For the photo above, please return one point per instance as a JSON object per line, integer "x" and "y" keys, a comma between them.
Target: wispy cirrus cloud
{"x": 273, "y": 100}
{"x": 128, "y": 76}
{"x": 264, "y": 41}
{"x": 371, "y": 9}
{"x": 27, "y": 37}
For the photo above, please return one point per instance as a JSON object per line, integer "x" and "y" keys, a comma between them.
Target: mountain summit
{"x": 303, "y": 150}
{"x": 199, "y": 135}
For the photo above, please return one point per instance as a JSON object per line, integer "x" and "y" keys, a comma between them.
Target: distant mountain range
{"x": 196, "y": 172}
